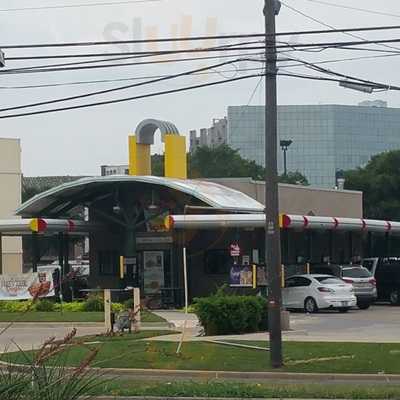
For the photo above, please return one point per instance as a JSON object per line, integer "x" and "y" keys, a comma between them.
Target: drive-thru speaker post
{"x": 272, "y": 228}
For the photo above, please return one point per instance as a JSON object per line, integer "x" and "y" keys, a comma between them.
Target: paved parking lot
{"x": 380, "y": 323}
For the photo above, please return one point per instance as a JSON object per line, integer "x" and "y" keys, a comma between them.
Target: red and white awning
{"x": 297, "y": 222}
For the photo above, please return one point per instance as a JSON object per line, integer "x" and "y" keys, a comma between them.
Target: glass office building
{"x": 326, "y": 138}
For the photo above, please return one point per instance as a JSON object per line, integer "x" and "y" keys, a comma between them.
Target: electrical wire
{"x": 375, "y": 12}
{"x": 285, "y": 45}
{"x": 197, "y": 38}
{"x": 63, "y": 6}
{"x": 144, "y": 96}
{"x": 349, "y": 77}
{"x": 299, "y": 64}
{"x": 343, "y": 60}
{"x": 36, "y": 69}
{"x": 318, "y": 21}
{"x": 229, "y": 47}
{"x": 77, "y": 83}
{"x": 119, "y": 88}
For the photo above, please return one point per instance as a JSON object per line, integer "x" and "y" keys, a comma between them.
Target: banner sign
{"x": 234, "y": 250}
{"x": 153, "y": 274}
{"x": 26, "y": 286}
{"x": 241, "y": 276}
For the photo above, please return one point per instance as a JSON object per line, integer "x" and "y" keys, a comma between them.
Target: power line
{"x": 343, "y": 60}
{"x": 323, "y": 45}
{"x": 125, "y": 87}
{"x": 338, "y": 45}
{"x": 199, "y": 38}
{"x": 61, "y": 6}
{"x": 149, "y": 95}
{"x": 46, "y": 68}
{"x": 138, "y": 78}
{"x": 365, "y": 10}
{"x": 320, "y": 22}
{"x": 299, "y": 64}
{"x": 141, "y": 53}
{"x": 349, "y": 77}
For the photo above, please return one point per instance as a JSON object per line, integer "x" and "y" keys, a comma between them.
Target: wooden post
{"x": 136, "y": 307}
{"x": 107, "y": 310}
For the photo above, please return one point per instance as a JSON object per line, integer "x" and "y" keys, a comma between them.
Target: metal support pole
{"x": 272, "y": 229}
{"x": 35, "y": 251}
{"x": 1, "y": 254}
{"x": 284, "y": 162}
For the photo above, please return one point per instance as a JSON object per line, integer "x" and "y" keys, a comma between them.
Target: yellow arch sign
{"x": 175, "y": 149}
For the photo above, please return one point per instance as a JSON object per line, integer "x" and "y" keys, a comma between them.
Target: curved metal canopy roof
{"x": 78, "y": 192}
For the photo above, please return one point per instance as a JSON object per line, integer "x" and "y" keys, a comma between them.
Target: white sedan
{"x": 313, "y": 292}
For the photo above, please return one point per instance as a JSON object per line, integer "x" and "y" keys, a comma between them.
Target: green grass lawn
{"x": 242, "y": 390}
{"x": 299, "y": 356}
{"x": 36, "y": 316}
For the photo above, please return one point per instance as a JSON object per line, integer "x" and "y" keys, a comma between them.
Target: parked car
{"x": 387, "y": 274}
{"x": 362, "y": 280}
{"x": 313, "y": 292}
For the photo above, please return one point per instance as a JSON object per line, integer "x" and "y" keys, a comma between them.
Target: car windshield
{"x": 329, "y": 280}
{"x": 356, "y": 273}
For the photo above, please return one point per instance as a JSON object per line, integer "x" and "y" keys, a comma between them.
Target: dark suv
{"x": 362, "y": 280}
{"x": 387, "y": 274}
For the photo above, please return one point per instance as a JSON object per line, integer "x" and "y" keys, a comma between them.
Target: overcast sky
{"x": 78, "y": 142}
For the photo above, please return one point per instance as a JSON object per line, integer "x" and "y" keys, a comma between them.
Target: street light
{"x": 284, "y": 146}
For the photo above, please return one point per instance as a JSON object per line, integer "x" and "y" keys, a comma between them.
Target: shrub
{"x": 44, "y": 305}
{"x": 117, "y": 307}
{"x": 15, "y": 306}
{"x": 74, "y": 306}
{"x": 225, "y": 314}
{"x": 94, "y": 303}
{"x": 128, "y": 304}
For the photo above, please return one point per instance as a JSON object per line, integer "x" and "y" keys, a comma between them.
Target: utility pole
{"x": 272, "y": 228}
{"x": 2, "y": 59}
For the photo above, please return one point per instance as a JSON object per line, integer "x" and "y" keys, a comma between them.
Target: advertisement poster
{"x": 153, "y": 274}
{"x": 26, "y": 286}
{"x": 241, "y": 276}
{"x": 155, "y": 223}
{"x": 261, "y": 275}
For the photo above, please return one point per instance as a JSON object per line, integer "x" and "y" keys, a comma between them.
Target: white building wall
{"x": 10, "y": 199}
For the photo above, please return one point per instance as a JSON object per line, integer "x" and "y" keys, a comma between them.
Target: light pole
{"x": 272, "y": 228}
{"x": 284, "y": 146}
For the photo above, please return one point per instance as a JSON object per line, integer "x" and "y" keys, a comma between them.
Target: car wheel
{"x": 344, "y": 309}
{"x": 394, "y": 298}
{"x": 364, "y": 306}
{"x": 310, "y": 305}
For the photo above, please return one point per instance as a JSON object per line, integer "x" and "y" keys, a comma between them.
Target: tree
{"x": 222, "y": 162}
{"x": 380, "y": 183}
{"x": 294, "y": 178}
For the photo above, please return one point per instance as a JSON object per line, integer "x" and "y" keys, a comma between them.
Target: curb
{"x": 226, "y": 375}
{"x": 182, "y": 398}
{"x": 155, "y": 374}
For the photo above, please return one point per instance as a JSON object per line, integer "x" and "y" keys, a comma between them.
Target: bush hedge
{"x": 47, "y": 305}
{"x": 225, "y": 314}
